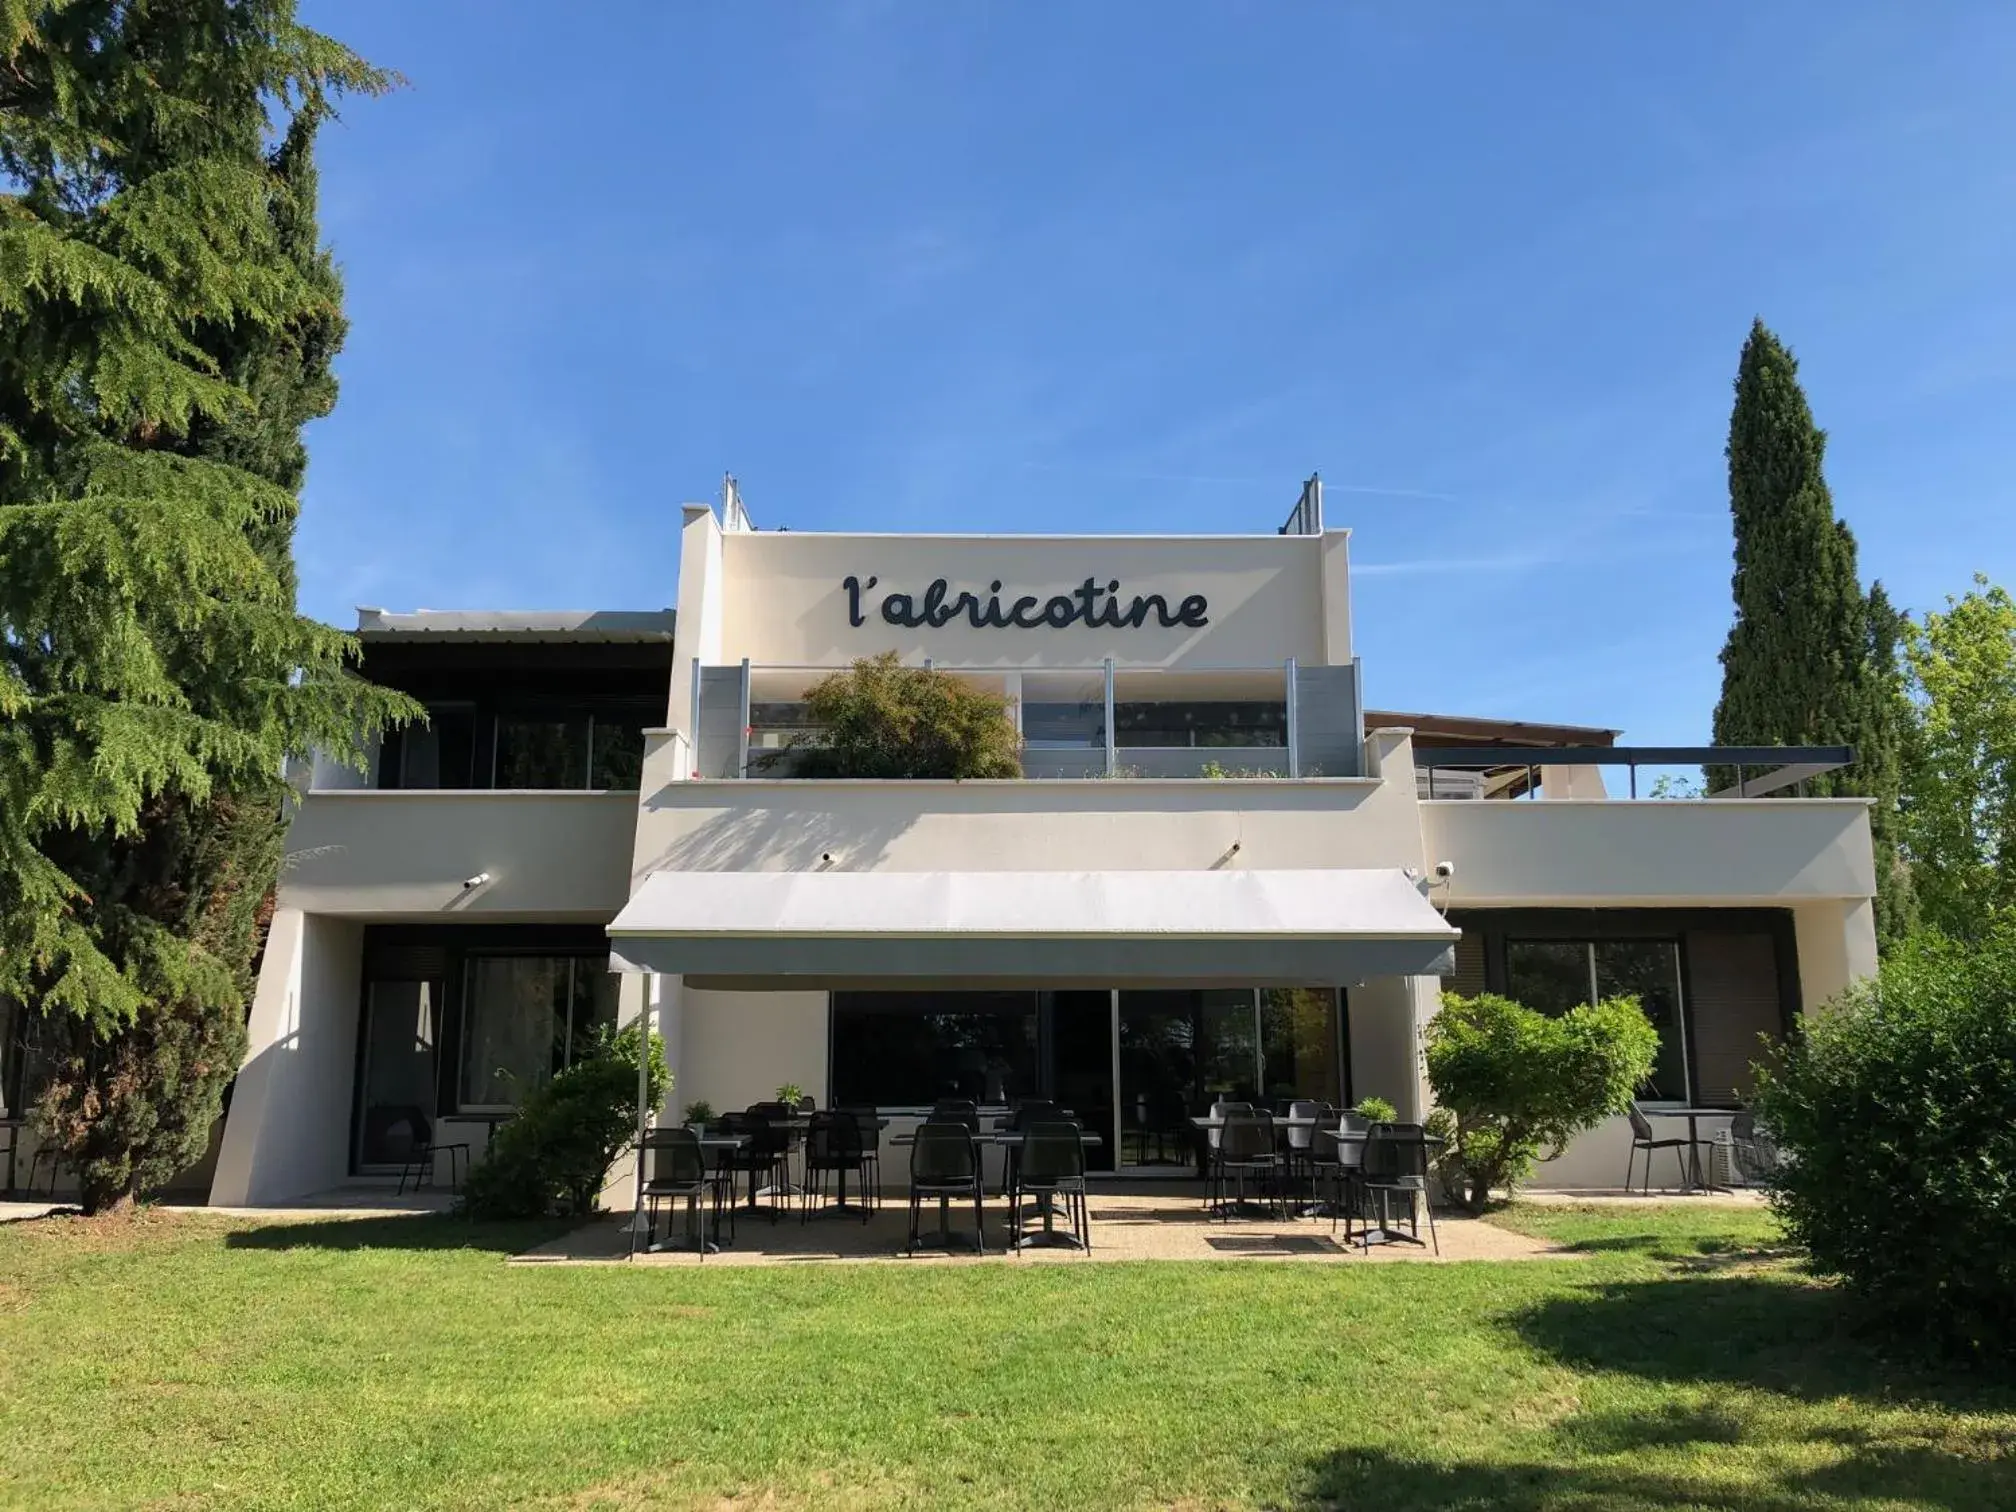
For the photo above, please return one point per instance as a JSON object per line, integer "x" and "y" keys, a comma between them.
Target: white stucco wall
{"x": 739, "y": 1047}
{"x": 1619, "y": 854}
{"x": 782, "y": 602}
{"x": 551, "y": 856}
{"x": 1125, "y": 824}
{"x": 288, "y": 1130}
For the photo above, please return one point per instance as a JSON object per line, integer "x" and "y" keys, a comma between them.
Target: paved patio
{"x": 1164, "y": 1224}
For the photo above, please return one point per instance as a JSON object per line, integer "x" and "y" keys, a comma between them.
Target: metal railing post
{"x": 1294, "y": 731}
{"x": 693, "y": 723}
{"x": 1110, "y": 743}
{"x": 742, "y": 762}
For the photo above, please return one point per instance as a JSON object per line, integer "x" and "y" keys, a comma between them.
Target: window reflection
{"x": 1553, "y": 976}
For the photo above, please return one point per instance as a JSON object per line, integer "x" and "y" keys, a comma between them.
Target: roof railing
{"x": 1782, "y": 766}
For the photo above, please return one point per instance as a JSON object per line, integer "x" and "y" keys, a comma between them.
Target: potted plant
{"x": 1376, "y": 1110}
{"x": 790, "y": 1094}
{"x": 699, "y": 1114}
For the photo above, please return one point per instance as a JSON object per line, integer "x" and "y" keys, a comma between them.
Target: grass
{"x": 1677, "y": 1361}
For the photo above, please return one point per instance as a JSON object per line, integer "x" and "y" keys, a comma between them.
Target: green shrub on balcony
{"x": 882, "y": 719}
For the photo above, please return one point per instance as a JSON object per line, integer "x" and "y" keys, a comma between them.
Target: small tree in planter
{"x": 880, "y": 718}
{"x": 1512, "y": 1085}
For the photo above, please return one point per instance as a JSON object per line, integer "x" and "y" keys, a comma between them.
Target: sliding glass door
{"x": 1182, "y": 1050}
{"x": 395, "y": 1084}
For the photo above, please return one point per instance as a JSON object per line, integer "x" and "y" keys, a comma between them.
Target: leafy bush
{"x": 1895, "y": 1114}
{"x": 790, "y": 1094}
{"x": 880, "y": 718}
{"x": 555, "y": 1154}
{"x": 699, "y": 1111}
{"x": 1513, "y": 1085}
{"x": 1376, "y": 1110}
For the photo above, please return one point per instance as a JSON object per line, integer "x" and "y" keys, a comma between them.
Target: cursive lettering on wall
{"x": 1092, "y": 603}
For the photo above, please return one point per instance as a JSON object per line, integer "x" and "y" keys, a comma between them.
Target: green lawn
{"x": 1677, "y": 1362}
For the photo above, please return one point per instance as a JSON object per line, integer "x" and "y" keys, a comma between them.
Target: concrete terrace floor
{"x": 1165, "y": 1222}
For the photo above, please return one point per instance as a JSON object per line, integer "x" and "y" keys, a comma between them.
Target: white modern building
{"x": 1219, "y": 873}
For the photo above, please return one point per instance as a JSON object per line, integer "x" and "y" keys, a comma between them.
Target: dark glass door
{"x": 395, "y": 1084}
{"x": 1081, "y": 1047}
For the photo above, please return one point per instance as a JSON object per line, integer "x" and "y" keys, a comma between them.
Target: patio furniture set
{"x": 1044, "y": 1167}
{"x": 1315, "y": 1161}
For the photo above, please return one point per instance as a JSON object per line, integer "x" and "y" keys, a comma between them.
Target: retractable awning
{"x": 1029, "y": 928}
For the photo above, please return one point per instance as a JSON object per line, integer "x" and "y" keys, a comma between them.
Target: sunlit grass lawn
{"x": 1677, "y": 1361}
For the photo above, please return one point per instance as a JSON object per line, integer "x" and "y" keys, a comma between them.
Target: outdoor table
{"x": 1696, "y": 1180}
{"x": 718, "y": 1142}
{"x": 1047, "y": 1236}
{"x": 840, "y": 1207}
{"x": 1382, "y": 1234}
{"x": 1206, "y": 1123}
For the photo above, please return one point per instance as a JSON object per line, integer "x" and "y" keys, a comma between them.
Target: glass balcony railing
{"x": 1089, "y": 722}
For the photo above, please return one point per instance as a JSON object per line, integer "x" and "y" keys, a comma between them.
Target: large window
{"x": 527, "y": 746}
{"x": 908, "y": 1049}
{"x": 1553, "y": 976}
{"x": 1200, "y": 724}
{"x": 525, "y": 1017}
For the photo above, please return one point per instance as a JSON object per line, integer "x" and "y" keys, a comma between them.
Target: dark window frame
{"x": 389, "y": 951}
{"x": 1498, "y": 926}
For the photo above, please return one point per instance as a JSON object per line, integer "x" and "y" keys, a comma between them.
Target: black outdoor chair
{"x": 1643, "y": 1138}
{"x": 833, "y": 1147}
{"x": 1346, "y": 1170}
{"x": 1396, "y": 1164}
{"x": 960, "y": 1110}
{"x": 1207, "y": 1140}
{"x": 1752, "y": 1150}
{"x": 761, "y": 1153}
{"x": 780, "y": 1115}
{"x": 1050, "y": 1165}
{"x": 870, "y": 1123}
{"x": 422, "y": 1149}
{"x": 1245, "y": 1152}
{"x": 1031, "y": 1110}
{"x": 675, "y": 1167}
{"x": 1298, "y": 1145}
{"x": 945, "y": 1163}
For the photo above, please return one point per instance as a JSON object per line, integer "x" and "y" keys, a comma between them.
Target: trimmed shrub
{"x": 1895, "y": 1114}
{"x": 1512, "y": 1085}
{"x": 554, "y": 1156}
{"x": 885, "y": 720}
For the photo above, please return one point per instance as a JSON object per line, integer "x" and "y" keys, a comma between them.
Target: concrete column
{"x": 1836, "y": 940}
{"x": 288, "y": 1132}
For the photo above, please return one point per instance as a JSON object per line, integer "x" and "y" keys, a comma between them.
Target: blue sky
{"x": 1143, "y": 267}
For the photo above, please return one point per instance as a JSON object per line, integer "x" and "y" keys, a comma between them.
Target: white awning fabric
{"x": 1195, "y": 928}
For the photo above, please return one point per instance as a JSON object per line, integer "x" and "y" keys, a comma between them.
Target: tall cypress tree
{"x": 1812, "y": 659}
{"x": 166, "y": 322}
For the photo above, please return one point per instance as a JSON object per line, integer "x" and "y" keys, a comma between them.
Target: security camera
{"x": 476, "y": 881}
{"x": 1444, "y": 870}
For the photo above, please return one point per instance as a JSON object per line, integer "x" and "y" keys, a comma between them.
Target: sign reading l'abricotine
{"x": 1090, "y": 603}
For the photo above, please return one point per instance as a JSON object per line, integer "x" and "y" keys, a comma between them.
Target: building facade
{"x": 1219, "y": 874}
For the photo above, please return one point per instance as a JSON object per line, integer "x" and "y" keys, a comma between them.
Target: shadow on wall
{"x": 414, "y": 1231}
{"x": 788, "y": 837}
